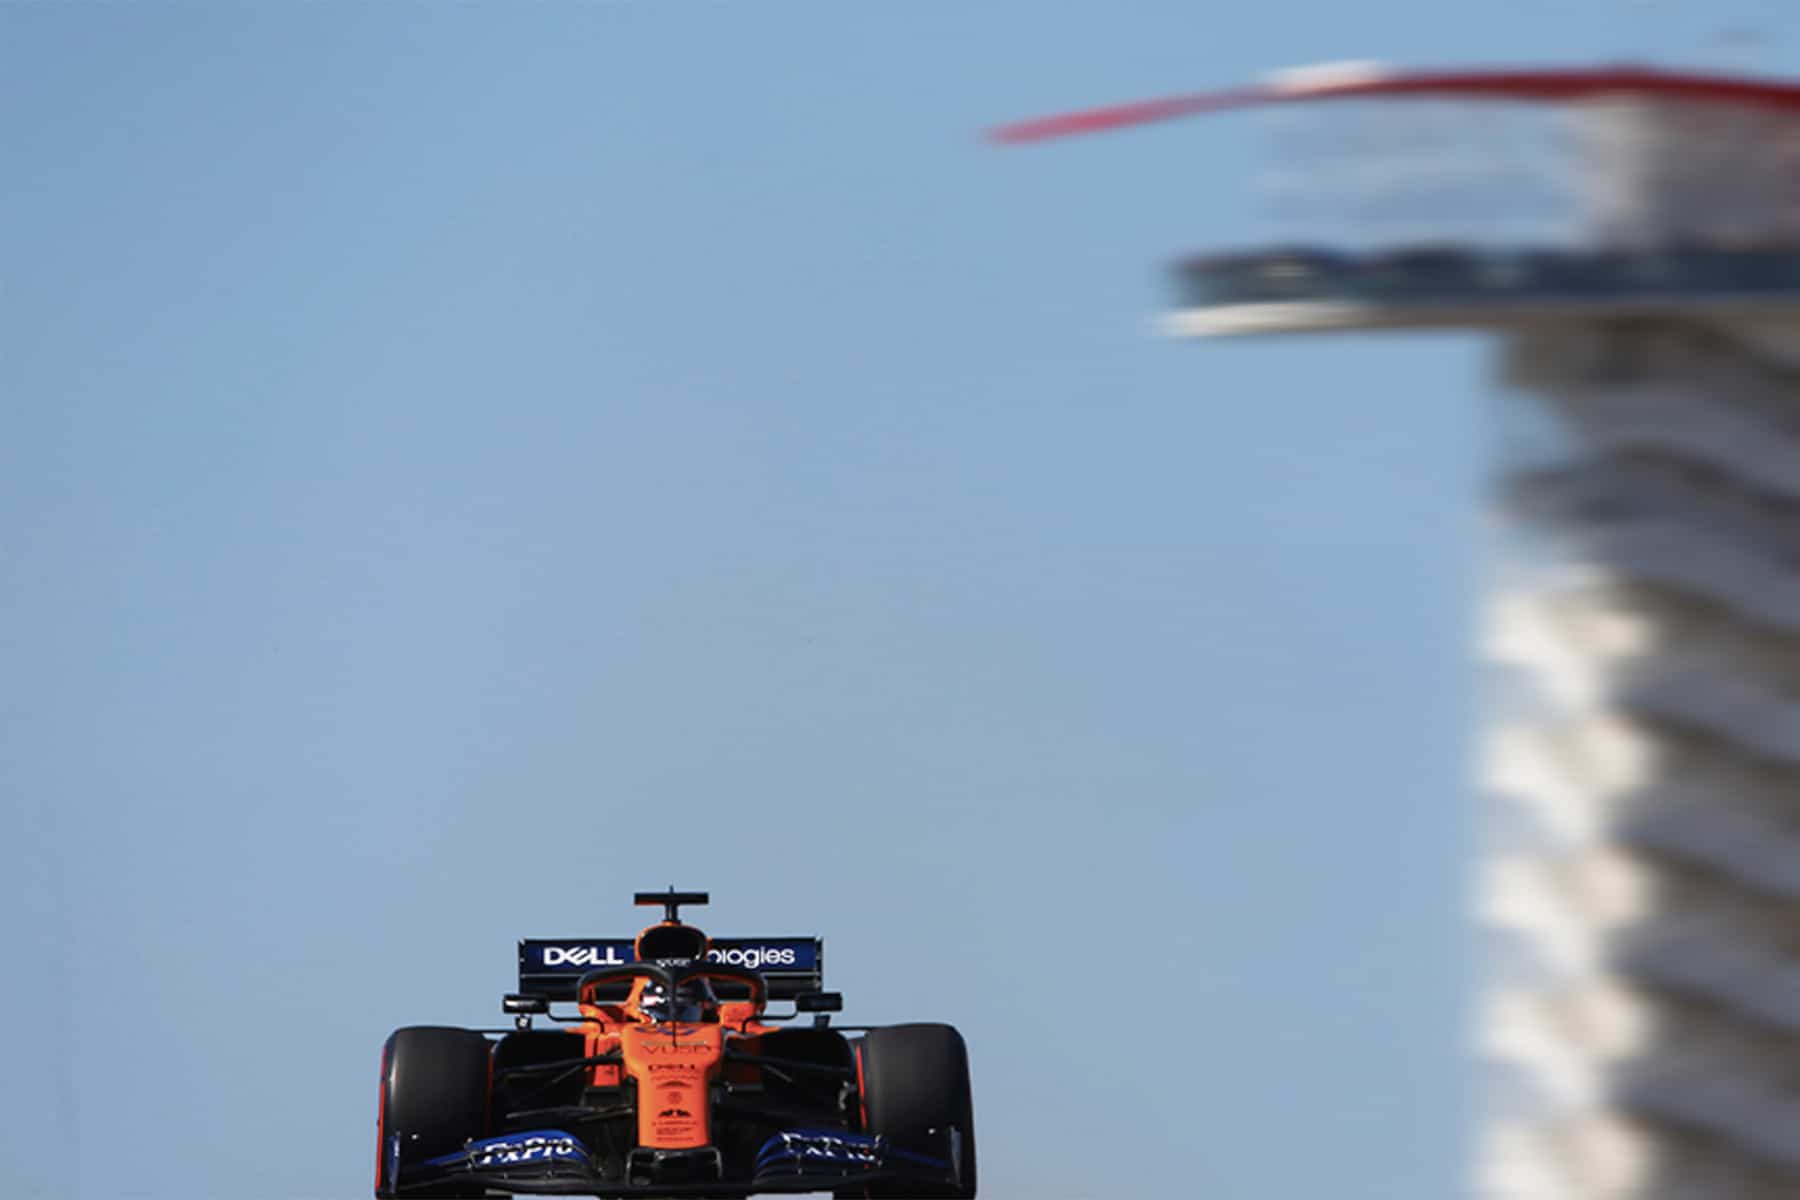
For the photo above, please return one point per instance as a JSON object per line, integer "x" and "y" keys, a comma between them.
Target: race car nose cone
{"x": 701, "y": 1164}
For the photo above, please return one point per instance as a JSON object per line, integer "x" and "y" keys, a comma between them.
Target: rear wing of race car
{"x": 551, "y": 967}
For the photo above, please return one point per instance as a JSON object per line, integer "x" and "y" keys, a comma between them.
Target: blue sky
{"x": 464, "y": 462}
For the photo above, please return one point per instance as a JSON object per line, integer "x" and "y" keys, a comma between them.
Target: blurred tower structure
{"x": 1632, "y": 236}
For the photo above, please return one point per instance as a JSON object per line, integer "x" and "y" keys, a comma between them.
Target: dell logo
{"x": 581, "y": 956}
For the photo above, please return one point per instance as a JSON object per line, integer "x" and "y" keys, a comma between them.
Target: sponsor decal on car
{"x": 675, "y": 1129}
{"x": 757, "y": 954}
{"x": 754, "y": 958}
{"x": 751, "y": 958}
{"x": 582, "y": 956}
{"x": 541, "y": 1146}
{"x": 818, "y": 1148}
{"x": 658, "y": 1046}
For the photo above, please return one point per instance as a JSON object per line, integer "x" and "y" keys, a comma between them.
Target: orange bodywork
{"x": 673, "y": 1065}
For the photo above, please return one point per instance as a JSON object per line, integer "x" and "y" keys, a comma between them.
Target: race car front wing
{"x": 553, "y": 1161}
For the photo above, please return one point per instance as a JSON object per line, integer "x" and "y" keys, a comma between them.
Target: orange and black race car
{"x": 673, "y": 1078}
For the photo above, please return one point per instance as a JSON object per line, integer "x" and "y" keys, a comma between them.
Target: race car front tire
{"x": 434, "y": 1098}
{"x": 915, "y": 1079}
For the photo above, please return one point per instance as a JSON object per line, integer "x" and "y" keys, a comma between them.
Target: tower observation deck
{"x": 1632, "y": 236}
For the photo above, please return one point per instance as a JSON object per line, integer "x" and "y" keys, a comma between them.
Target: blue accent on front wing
{"x": 834, "y": 1150}
{"x": 515, "y": 1149}
{"x": 821, "y": 1145}
{"x": 918, "y": 1160}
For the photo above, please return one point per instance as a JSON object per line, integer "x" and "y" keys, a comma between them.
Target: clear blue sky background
{"x": 462, "y": 462}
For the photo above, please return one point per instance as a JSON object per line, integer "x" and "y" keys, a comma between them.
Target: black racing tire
{"x": 434, "y": 1096}
{"x": 915, "y": 1078}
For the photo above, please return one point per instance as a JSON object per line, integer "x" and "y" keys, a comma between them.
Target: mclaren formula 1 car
{"x": 673, "y": 1078}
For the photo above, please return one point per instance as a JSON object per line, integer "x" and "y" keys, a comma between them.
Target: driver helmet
{"x": 693, "y": 1002}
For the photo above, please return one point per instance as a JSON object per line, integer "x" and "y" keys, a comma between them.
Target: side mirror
{"x": 520, "y": 1006}
{"x": 819, "y": 1002}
